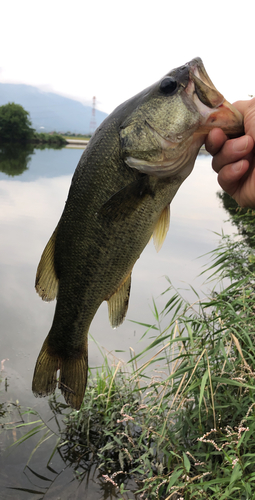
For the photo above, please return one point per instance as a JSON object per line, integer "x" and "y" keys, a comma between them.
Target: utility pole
{"x": 93, "y": 123}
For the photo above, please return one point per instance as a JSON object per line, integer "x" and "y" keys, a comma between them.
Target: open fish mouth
{"x": 214, "y": 109}
{"x": 164, "y": 139}
{"x": 111, "y": 213}
{"x": 204, "y": 88}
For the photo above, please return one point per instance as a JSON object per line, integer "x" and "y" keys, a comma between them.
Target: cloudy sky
{"x": 113, "y": 49}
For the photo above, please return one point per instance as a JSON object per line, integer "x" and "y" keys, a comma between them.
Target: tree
{"x": 15, "y": 124}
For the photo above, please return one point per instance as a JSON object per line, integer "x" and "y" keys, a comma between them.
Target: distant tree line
{"x": 16, "y": 127}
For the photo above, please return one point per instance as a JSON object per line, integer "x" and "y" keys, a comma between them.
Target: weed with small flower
{"x": 184, "y": 430}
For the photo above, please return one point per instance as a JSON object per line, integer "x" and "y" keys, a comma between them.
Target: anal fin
{"x": 118, "y": 303}
{"x": 46, "y": 282}
{"x": 161, "y": 228}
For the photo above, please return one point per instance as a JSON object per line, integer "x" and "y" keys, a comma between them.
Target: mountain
{"x": 50, "y": 111}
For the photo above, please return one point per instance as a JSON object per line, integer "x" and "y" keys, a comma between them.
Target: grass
{"x": 181, "y": 424}
{"x": 54, "y": 139}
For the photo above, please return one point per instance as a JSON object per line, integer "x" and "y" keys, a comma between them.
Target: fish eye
{"x": 168, "y": 86}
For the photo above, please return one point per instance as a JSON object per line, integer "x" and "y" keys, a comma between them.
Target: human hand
{"x": 234, "y": 159}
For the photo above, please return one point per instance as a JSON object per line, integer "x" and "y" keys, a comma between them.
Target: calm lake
{"x": 31, "y": 204}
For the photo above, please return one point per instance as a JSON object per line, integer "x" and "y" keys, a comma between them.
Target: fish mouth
{"x": 176, "y": 147}
{"x": 214, "y": 109}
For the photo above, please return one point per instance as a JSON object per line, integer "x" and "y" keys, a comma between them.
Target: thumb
{"x": 247, "y": 108}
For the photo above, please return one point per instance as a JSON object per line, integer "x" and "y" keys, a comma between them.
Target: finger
{"x": 215, "y": 140}
{"x": 232, "y": 151}
{"x": 243, "y": 106}
{"x": 247, "y": 108}
{"x": 230, "y": 175}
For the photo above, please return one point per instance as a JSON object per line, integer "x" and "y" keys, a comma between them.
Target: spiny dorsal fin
{"x": 46, "y": 282}
{"x": 161, "y": 228}
{"x": 118, "y": 303}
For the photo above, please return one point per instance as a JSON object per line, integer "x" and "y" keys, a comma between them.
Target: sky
{"x": 114, "y": 49}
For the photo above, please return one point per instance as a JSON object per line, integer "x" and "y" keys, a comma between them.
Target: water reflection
{"x": 31, "y": 205}
{"x": 15, "y": 158}
{"x": 38, "y": 467}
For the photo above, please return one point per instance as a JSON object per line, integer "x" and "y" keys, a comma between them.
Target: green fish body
{"x": 119, "y": 197}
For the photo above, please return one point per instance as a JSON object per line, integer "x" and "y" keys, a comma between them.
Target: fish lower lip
{"x": 208, "y": 96}
{"x": 215, "y": 111}
{"x": 203, "y": 86}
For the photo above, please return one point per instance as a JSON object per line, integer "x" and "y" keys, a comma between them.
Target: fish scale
{"x": 119, "y": 196}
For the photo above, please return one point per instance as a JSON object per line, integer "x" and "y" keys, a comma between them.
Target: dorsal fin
{"x": 118, "y": 303}
{"x": 46, "y": 282}
{"x": 161, "y": 228}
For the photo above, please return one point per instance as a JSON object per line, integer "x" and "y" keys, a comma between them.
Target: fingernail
{"x": 236, "y": 167}
{"x": 240, "y": 144}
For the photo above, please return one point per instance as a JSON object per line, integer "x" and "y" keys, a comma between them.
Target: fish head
{"x": 165, "y": 125}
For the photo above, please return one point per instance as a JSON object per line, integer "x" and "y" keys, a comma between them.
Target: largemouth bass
{"x": 119, "y": 196}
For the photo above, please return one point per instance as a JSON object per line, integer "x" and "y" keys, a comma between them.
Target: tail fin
{"x": 72, "y": 378}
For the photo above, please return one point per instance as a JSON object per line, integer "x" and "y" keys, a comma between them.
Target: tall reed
{"x": 179, "y": 418}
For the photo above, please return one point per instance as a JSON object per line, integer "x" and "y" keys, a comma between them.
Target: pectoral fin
{"x": 46, "y": 282}
{"x": 161, "y": 228}
{"x": 126, "y": 200}
{"x": 118, "y": 303}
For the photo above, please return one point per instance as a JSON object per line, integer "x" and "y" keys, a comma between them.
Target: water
{"x": 31, "y": 204}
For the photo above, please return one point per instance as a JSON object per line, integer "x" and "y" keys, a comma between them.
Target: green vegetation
{"x": 182, "y": 424}
{"x": 18, "y": 139}
{"x": 245, "y": 225}
{"x": 53, "y": 139}
{"x": 15, "y": 128}
{"x": 15, "y": 125}
{"x": 15, "y": 158}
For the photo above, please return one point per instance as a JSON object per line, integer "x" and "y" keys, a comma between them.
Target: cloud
{"x": 113, "y": 52}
